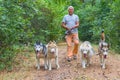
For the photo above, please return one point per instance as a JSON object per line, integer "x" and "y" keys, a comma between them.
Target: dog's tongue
{"x": 105, "y": 56}
{"x": 85, "y": 55}
{"x": 52, "y": 52}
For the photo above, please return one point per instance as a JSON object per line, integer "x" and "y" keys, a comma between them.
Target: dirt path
{"x": 68, "y": 70}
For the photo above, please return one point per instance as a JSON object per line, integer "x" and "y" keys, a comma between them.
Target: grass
{"x": 22, "y": 65}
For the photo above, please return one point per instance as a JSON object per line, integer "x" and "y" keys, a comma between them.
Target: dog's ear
{"x": 108, "y": 45}
{"x": 54, "y": 42}
{"x": 50, "y": 42}
{"x": 37, "y": 42}
{"x": 41, "y": 44}
{"x": 101, "y": 46}
{"x": 34, "y": 44}
{"x": 46, "y": 45}
{"x": 81, "y": 50}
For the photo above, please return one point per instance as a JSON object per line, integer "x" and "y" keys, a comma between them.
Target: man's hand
{"x": 72, "y": 28}
{"x": 69, "y": 29}
{"x": 68, "y": 32}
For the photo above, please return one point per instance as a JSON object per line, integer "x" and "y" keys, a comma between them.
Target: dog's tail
{"x": 102, "y": 35}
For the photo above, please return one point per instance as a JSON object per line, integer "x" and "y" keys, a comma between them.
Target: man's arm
{"x": 76, "y": 26}
{"x": 64, "y": 26}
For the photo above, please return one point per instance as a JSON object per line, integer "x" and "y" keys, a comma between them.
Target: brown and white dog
{"x": 103, "y": 50}
{"x": 52, "y": 53}
{"x": 86, "y": 52}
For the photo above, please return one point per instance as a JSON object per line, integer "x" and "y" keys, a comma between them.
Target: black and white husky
{"x": 41, "y": 52}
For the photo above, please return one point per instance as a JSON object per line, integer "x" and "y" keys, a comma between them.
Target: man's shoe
{"x": 74, "y": 57}
{"x": 68, "y": 59}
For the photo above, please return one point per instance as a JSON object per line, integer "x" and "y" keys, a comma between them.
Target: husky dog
{"x": 103, "y": 50}
{"x": 41, "y": 52}
{"x": 52, "y": 53}
{"x": 86, "y": 52}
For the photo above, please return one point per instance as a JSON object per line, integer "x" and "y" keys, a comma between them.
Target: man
{"x": 71, "y": 23}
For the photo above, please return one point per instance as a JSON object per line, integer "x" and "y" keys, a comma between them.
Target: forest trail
{"x": 67, "y": 71}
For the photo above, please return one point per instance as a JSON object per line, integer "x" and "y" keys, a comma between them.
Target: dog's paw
{"x": 88, "y": 65}
{"x": 58, "y": 66}
{"x": 101, "y": 64}
{"x": 50, "y": 69}
{"x": 83, "y": 66}
{"x": 46, "y": 67}
{"x": 38, "y": 68}
{"x": 103, "y": 67}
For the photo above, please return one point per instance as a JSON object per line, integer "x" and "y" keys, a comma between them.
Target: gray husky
{"x": 41, "y": 52}
{"x": 86, "y": 52}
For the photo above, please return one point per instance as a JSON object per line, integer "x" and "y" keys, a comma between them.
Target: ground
{"x": 26, "y": 70}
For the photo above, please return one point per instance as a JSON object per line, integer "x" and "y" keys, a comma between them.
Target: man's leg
{"x": 69, "y": 46}
{"x": 76, "y": 45}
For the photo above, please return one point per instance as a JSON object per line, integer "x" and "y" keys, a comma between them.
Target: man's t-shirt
{"x": 70, "y": 21}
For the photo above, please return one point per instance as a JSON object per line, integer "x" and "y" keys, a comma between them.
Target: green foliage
{"x": 104, "y": 14}
{"x": 14, "y": 28}
{"x": 113, "y": 25}
{"x": 86, "y": 21}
